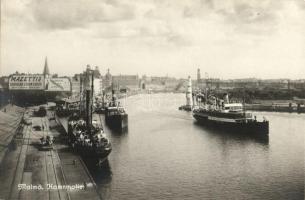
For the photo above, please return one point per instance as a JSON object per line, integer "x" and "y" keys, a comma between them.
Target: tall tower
{"x": 46, "y": 71}
{"x": 198, "y": 75}
{"x": 96, "y": 72}
{"x": 189, "y": 98}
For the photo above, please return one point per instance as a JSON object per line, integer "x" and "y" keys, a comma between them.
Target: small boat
{"x": 116, "y": 116}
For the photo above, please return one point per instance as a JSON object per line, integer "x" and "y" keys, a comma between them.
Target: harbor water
{"x": 166, "y": 155}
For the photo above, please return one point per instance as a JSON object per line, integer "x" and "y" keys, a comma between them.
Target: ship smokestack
{"x": 189, "y": 100}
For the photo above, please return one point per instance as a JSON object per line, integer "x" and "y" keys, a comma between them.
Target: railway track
{"x": 44, "y": 134}
{"x": 56, "y": 177}
{"x": 54, "y": 154}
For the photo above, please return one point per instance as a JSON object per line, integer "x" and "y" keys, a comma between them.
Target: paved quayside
{"x": 26, "y": 163}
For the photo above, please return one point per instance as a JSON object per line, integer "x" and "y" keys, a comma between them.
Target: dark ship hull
{"x": 244, "y": 127}
{"x": 97, "y": 157}
{"x": 117, "y": 121}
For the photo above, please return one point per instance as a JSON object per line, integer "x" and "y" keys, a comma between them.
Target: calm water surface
{"x": 165, "y": 155}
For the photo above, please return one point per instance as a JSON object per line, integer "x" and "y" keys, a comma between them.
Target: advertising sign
{"x": 26, "y": 82}
{"x": 58, "y": 84}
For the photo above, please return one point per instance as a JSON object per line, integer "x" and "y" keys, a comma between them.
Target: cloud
{"x": 244, "y": 16}
{"x": 150, "y": 34}
{"x": 67, "y": 14}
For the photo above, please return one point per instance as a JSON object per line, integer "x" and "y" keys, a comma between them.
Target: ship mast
{"x": 89, "y": 98}
{"x": 244, "y": 111}
{"x": 113, "y": 100}
{"x": 92, "y": 92}
{"x": 80, "y": 93}
{"x": 206, "y": 90}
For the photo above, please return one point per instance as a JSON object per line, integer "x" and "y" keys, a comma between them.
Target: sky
{"x": 225, "y": 39}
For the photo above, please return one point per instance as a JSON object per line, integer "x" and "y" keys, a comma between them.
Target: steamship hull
{"x": 250, "y": 127}
{"x": 119, "y": 121}
{"x": 90, "y": 154}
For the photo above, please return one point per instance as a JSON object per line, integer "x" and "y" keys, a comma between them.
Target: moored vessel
{"x": 116, "y": 116}
{"x": 230, "y": 116}
{"x": 88, "y": 140}
{"x": 85, "y": 135}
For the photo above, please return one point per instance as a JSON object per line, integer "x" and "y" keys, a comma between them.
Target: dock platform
{"x": 30, "y": 172}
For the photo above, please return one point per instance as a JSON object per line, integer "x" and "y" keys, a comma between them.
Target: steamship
{"x": 88, "y": 139}
{"x": 86, "y": 135}
{"x": 231, "y": 117}
{"x": 116, "y": 116}
{"x": 222, "y": 114}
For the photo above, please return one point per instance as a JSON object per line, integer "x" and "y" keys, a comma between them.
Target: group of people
{"x": 88, "y": 137}
{"x": 47, "y": 140}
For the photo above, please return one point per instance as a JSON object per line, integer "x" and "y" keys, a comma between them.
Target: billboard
{"x": 26, "y": 82}
{"x": 58, "y": 84}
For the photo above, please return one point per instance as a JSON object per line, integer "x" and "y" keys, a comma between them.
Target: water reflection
{"x": 119, "y": 132}
{"x": 101, "y": 174}
{"x": 262, "y": 139}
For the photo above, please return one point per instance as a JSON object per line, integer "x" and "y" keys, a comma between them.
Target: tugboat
{"x": 115, "y": 115}
{"x": 87, "y": 136}
{"x": 230, "y": 117}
